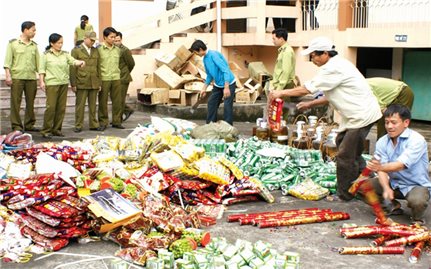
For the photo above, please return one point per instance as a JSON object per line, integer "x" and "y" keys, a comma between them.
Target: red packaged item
{"x": 57, "y": 209}
{"x": 43, "y": 217}
{"x": 71, "y": 232}
{"x": 39, "y": 226}
{"x": 73, "y": 202}
{"x": 207, "y": 221}
{"x": 195, "y": 184}
{"x": 49, "y": 244}
{"x": 275, "y": 114}
{"x": 231, "y": 201}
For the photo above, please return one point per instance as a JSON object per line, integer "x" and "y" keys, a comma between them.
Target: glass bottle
{"x": 262, "y": 131}
{"x": 330, "y": 146}
{"x": 300, "y": 142}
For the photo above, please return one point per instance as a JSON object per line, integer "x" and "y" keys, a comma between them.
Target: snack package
{"x": 213, "y": 171}
{"x": 308, "y": 190}
{"x": 167, "y": 161}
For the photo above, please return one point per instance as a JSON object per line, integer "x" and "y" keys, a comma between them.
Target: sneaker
{"x": 77, "y": 130}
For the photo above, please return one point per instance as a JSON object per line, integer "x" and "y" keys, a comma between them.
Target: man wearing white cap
{"x": 349, "y": 93}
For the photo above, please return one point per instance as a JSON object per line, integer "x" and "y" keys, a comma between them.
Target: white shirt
{"x": 87, "y": 48}
{"x": 348, "y": 91}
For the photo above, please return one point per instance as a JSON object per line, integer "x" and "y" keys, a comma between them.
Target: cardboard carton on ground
{"x": 258, "y": 72}
{"x": 189, "y": 68}
{"x": 190, "y": 78}
{"x": 251, "y": 86}
{"x": 153, "y": 96}
{"x": 172, "y": 79}
{"x": 149, "y": 81}
{"x": 168, "y": 59}
{"x": 183, "y": 97}
{"x": 194, "y": 86}
{"x": 245, "y": 97}
{"x": 183, "y": 54}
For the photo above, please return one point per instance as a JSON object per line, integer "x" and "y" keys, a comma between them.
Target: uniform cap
{"x": 91, "y": 35}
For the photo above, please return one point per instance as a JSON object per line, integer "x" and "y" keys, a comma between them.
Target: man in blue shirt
{"x": 403, "y": 168}
{"x": 217, "y": 70}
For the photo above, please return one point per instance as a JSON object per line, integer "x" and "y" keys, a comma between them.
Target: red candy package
{"x": 49, "y": 244}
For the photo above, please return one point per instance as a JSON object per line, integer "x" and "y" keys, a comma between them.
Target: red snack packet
{"x": 43, "y": 217}
{"x": 57, "y": 209}
{"x": 39, "y": 226}
{"x": 49, "y": 244}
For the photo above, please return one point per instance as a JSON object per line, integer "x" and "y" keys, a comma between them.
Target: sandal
{"x": 393, "y": 208}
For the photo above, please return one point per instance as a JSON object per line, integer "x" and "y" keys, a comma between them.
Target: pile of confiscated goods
{"x": 151, "y": 193}
{"x": 154, "y": 192}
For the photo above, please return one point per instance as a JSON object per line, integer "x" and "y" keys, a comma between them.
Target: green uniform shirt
{"x": 87, "y": 77}
{"x": 109, "y": 62}
{"x": 22, "y": 59}
{"x": 284, "y": 70}
{"x": 55, "y": 66}
{"x": 127, "y": 63}
{"x": 385, "y": 90}
{"x": 80, "y": 33}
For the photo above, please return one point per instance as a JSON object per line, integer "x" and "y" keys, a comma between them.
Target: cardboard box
{"x": 246, "y": 97}
{"x": 194, "y": 86}
{"x": 149, "y": 81}
{"x": 183, "y": 54}
{"x": 252, "y": 86}
{"x": 172, "y": 79}
{"x": 190, "y": 78}
{"x": 189, "y": 68}
{"x": 183, "y": 97}
{"x": 153, "y": 96}
{"x": 168, "y": 59}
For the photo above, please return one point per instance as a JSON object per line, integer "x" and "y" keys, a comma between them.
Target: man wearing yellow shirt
{"x": 111, "y": 84}
{"x": 388, "y": 92}
{"x": 21, "y": 67}
{"x": 284, "y": 70}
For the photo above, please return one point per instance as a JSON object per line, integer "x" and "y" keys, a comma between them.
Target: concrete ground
{"x": 317, "y": 244}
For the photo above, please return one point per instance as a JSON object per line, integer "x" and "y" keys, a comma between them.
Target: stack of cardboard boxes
{"x": 177, "y": 80}
{"x": 180, "y": 77}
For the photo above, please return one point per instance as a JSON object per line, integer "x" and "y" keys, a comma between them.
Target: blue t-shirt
{"x": 217, "y": 69}
{"x": 412, "y": 151}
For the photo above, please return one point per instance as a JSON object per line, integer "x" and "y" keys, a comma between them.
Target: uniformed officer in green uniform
{"x": 127, "y": 63}
{"x": 284, "y": 69}
{"x": 54, "y": 80}
{"x": 86, "y": 82}
{"x": 111, "y": 85}
{"x": 21, "y": 67}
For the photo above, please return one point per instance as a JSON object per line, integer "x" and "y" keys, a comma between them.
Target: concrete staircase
{"x": 40, "y": 101}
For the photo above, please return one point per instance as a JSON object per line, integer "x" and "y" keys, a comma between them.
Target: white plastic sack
{"x": 47, "y": 164}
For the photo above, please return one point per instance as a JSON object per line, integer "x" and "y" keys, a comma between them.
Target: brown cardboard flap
{"x": 153, "y": 96}
{"x": 168, "y": 76}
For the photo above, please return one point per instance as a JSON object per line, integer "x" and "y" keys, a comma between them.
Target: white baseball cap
{"x": 320, "y": 43}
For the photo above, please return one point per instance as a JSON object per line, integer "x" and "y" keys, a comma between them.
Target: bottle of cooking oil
{"x": 330, "y": 147}
{"x": 300, "y": 142}
{"x": 262, "y": 132}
